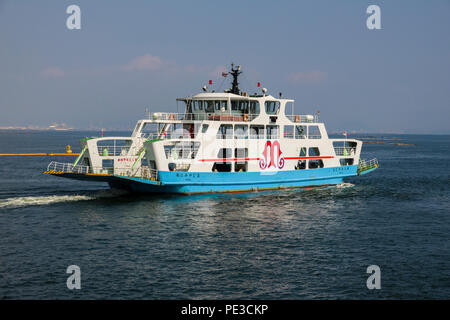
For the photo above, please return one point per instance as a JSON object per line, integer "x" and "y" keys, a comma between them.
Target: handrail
{"x": 59, "y": 168}
{"x": 303, "y": 118}
{"x": 245, "y": 117}
{"x": 365, "y": 165}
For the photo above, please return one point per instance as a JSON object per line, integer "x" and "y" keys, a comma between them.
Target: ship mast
{"x": 235, "y": 72}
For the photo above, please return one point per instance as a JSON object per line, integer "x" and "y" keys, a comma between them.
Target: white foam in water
{"x": 38, "y": 201}
{"x": 44, "y": 200}
{"x": 345, "y": 185}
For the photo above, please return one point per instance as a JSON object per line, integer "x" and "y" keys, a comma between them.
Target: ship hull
{"x": 233, "y": 182}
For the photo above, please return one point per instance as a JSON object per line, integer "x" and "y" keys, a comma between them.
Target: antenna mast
{"x": 235, "y": 72}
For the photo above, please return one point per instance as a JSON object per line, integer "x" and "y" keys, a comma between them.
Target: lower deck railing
{"x": 143, "y": 172}
{"x": 365, "y": 165}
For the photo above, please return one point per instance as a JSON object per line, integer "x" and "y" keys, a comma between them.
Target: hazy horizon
{"x": 127, "y": 58}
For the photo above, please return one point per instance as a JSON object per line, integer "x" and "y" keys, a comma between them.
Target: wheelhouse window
{"x": 314, "y": 132}
{"x": 223, "y": 105}
{"x": 225, "y": 131}
{"x": 243, "y": 106}
{"x": 300, "y": 132}
{"x": 256, "y": 132}
{"x": 272, "y": 132}
{"x": 209, "y": 106}
{"x": 254, "y": 107}
{"x": 272, "y": 107}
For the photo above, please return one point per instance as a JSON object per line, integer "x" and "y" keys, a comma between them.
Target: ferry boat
{"x": 223, "y": 142}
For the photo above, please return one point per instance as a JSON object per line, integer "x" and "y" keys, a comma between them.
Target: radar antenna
{"x": 235, "y": 72}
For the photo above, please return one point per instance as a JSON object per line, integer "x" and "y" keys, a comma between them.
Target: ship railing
{"x": 113, "y": 150}
{"x": 147, "y": 173}
{"x": 303, "y": 118}
{"x": 66, "y": 168}
{"x": 345, "y": 151}
{"x": 166, "y": 116}
{"x": 367, "y": 164}
{"x": 168, "y": 136}
{"x": 59, "y": 167}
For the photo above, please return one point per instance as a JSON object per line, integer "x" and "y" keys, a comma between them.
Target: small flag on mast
{"x": 224, "y": 74}
{"x": 345, "y": 134}
{"x": 210, "y": 82}
{"x": 259, "y": 84}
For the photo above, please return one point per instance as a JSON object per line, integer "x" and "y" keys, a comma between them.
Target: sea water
{"x": 295, "y": 244}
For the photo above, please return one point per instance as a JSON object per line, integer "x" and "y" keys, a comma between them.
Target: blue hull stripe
{"x": 205, "y": 182}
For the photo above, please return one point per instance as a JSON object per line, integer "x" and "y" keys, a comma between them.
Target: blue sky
{"x": 130, "y": 55}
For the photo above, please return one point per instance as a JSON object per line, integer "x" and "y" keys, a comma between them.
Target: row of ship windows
{"x": 188, "y": 150}
{"x": 271, "y": 132}
{"x": 252, "y": 107}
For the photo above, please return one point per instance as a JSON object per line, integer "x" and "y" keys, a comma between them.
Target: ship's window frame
{"x": 269, "y": 130}
{"x": 314, "y": 151}
{"x": 301, "y": 163}
{"x": 272, "y": 107}
{"x": 224, "y": 153}
{"x": 244, "y": 134}
{"x": 315, "y": 164}
{"x": 244, "y": 106}
{"x": 209, "y": 106}
{"x": 288, "y": 131}
{"x": 221, "y": 167}
{"x": 301, "y": 132}
{"x": 241, "y": 156}
{"x": 254, "y": 107}
{"x": 224, "y": 104}
{"x": 313, "y": 134}
{"x": 260, "y": 133}
{"x": 303, "y": 152}
{"x": 225, "y": 134}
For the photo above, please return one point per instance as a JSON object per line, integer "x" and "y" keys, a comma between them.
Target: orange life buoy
{"x": 245, "y": 117}
{"x": 297, "y": 118}
{"x": 171, "y": 116}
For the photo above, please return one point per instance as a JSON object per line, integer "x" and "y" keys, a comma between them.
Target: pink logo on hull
{"x": 270, "y": 158}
